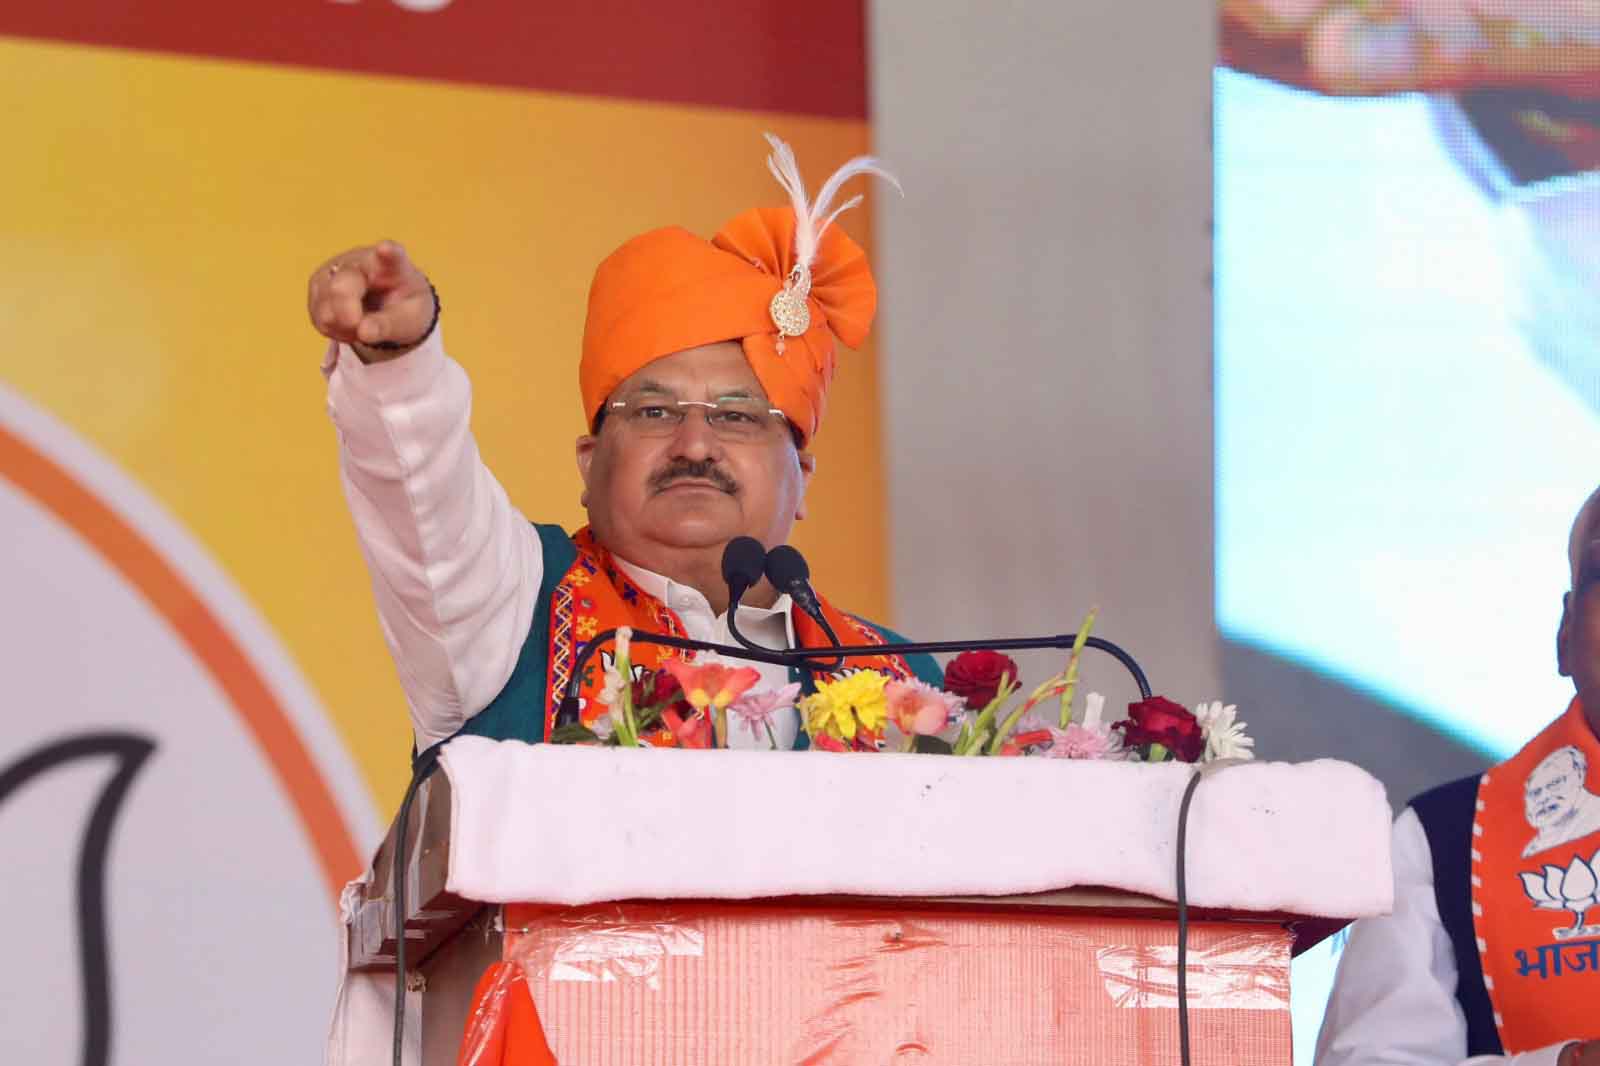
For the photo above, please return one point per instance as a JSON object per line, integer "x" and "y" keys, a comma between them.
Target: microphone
{"x": 743, "y": 561}
{"x": 787, "y": 570}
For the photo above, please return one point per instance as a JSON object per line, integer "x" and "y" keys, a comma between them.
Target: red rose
{"x": 975, "y": 676}
{"x": 658, "y": 688}
{"x": 1158, "y": 720}
{"x": 679, "y": 724}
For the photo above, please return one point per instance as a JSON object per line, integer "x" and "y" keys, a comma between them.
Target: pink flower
{"x": 755, "y": 709}
{"x": 918, "y": 707}
{"x": 1074, "y": 742}
{"x": 1081, "y": 742}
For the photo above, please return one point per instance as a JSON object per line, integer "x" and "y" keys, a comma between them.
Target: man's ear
{"x": 808, "y": 466}
{"x": 1563, "y": 632}
{"x": 586, "y": 446}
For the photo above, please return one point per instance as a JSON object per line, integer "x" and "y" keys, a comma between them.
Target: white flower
{"x": 1094, "y": 705}
{"x": 624, "y": 635}
{"x": 612, "y": 683}
{"x": 612, "y": 688}
{"x": 1225, "y": 737}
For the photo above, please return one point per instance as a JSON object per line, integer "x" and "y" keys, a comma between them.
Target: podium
{"x": 1083, "y": 973}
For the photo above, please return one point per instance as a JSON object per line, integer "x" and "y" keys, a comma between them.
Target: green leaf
{"x": 1006, "y": 728}
{"x": 1072, "y": 666}
{"x": 986, "y": 717}
{"x": 573, "y": 733}
{"x": 1002, "y": 696}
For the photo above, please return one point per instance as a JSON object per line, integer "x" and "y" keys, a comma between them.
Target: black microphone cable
{"x": 422, "y": 768}
{"x": 1183, "y": 919}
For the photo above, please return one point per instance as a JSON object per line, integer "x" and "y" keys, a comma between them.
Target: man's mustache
{"x": 693, "y": 470}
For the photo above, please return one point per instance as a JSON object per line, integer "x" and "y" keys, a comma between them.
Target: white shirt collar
{"x": 687, "y": 600}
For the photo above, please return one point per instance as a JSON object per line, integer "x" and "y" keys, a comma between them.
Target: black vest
{"x": 1446, "y": 813}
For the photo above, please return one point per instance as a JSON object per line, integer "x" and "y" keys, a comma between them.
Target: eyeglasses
{"x": 735, "y": 419}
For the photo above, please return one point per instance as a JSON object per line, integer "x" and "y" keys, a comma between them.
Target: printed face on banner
{"x": 1561, "y": 808}
{"x": 1559, "y": 805}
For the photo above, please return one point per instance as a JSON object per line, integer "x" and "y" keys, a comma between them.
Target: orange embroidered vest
{"x": 584, "y": 594}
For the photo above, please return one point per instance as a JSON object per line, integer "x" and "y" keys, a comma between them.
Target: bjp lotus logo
{"x": 1575, "y": 889}
{"x": 163, "y": 770}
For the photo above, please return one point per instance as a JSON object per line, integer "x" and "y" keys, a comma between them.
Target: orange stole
{"x": 596, "y": 595}
{"x": 1535, "y": 897}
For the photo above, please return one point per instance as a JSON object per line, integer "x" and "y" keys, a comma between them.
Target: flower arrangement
{"x": 695, "y": 704}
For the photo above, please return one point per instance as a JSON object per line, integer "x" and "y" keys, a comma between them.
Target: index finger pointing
{"x": 388, "y": 263}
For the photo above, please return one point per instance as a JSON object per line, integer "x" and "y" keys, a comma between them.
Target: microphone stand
{"x": 807, "y": 668}
{"x": 802, "y": 657}
{"x": 735, "y": 594}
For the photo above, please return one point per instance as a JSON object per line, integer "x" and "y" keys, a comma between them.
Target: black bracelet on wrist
{"x": 395, "y": 346}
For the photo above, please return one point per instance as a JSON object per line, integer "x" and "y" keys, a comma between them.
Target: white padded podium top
{"x": 574, "y": 825}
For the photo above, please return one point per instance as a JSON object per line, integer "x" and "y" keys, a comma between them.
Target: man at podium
{"x": 1493, "y": 949}
{"x": 703, "y": 376}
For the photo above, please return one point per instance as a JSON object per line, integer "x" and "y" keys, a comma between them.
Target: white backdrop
{"x": 1047, "y": 322}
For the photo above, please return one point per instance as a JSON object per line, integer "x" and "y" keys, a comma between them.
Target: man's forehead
{"x": 650, "y": 386}
{"x": 1589, "y": 558}
{"x": 1582, "y": 547}
{"x": 712, "y": 369}
{"x": 1560, "y": 761}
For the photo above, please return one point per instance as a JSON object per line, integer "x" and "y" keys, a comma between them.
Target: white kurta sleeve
{"x": 1393, "y": 1001}
{"x": 455, "y": 567}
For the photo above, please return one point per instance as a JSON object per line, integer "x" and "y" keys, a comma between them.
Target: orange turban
{"x": 668, "y": 290}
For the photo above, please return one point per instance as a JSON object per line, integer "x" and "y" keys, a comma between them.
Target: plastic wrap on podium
{"x": 811, "y": 983}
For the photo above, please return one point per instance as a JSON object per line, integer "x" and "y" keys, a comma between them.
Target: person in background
{"x": 1492, "y": 953}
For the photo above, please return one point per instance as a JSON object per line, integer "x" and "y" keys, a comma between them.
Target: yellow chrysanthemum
{"x": 838, "y": 707}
